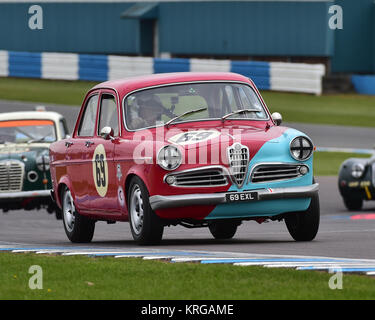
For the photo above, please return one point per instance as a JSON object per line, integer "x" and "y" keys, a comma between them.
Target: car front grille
{"x": 206, "y": 177}
{"x": 238, "y": 156}
{"x": 275, "y": 172}
{"x": 11, "y": 176}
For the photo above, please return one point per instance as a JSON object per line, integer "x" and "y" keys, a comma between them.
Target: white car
{"x": 25, "y": 137}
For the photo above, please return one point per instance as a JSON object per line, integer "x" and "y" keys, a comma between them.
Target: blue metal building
{"x": 246, "y": 30}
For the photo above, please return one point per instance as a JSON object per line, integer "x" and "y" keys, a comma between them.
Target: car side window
{"x": 63, "y": 128}
{"x": 87, "y": 125}
{"x": 108, "y": 114}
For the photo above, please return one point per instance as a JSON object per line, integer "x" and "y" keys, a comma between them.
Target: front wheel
{"x": 223, "y": 229}
{"x": 352, "y": 203}
{"x": 78, "y": 228}
{"x": 303, "y": 226}
{"x": 145, "y": 225}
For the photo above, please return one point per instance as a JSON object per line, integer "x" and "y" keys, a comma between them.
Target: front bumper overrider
{"x": 158, "y": 202}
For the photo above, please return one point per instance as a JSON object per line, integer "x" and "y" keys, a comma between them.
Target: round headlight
{"x": 357, "y": 170}
{"x": 169, "y": 157}
{"x": 301, "y": 148}
{"x": 42, "y": 162}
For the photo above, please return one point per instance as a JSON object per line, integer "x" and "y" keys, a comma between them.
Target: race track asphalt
{"x": 339, "y": 236}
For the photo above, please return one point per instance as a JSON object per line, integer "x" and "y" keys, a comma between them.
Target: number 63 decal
{"x": 100, "y": 170}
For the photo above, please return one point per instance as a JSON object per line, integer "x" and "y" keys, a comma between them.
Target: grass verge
{"x": 343, "y": 109}
{"x": 130, "y": 278}
{"x": 48, "y": 91}
{"x": 338, "y": 109}
{"x": 328, "y": 163}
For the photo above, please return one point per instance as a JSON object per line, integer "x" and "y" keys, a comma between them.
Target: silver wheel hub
{"x": 69, "y": 211}
{"x": 136, "y": 210}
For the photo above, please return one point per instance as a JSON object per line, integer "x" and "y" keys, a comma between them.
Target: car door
{"x": 103, "y": 190}
{"x": 80, "y": 151}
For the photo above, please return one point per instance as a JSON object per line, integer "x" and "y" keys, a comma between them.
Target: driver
{"x": 149, "y": 112}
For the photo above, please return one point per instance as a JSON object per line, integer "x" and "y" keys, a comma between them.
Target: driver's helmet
{"x": 150, "y": 108}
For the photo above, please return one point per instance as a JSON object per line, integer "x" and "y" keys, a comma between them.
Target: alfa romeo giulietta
{"x": 190, "y": 149}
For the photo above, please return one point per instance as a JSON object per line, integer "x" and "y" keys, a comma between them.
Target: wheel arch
{"x": 139, "y": 172}
{"x": 64, "y": 182}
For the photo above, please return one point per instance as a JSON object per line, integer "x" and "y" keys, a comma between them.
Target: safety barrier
{"x": 278, "y": 76}
{"x": 364, "y": 84}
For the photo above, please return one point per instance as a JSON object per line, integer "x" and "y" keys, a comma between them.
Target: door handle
{"x": 88, "y": 144}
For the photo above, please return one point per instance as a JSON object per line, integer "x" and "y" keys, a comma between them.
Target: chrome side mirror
{"x": 107, "y": 133}
{"x": 277, "y": 118}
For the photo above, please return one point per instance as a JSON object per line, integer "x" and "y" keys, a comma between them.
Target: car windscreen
{"x": 155, "y": 106}
{"x": 27, "y": 131}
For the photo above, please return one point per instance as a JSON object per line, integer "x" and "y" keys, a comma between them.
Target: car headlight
{"x": 169, "y": 157}
{"x": 42, "y": 162}
{"x": 301, "y": 148}
{"x": 357, "y": 170}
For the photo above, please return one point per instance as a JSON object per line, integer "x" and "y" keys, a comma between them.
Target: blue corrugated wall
{"x": 355, "y": 43}
{"x": 236, "y": 28}
{"x": 70, "y": 27}
{"x": 225, "y": 28}
{"x": 246, "y": 28}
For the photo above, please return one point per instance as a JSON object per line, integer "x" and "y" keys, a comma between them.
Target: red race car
{"x": 195, "y": 149}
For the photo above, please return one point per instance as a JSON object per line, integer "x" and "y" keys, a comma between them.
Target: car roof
{"x": 29, "y": 115}
{"x": 124, "y": 86}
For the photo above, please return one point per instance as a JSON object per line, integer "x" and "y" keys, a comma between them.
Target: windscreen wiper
{"x": 38, "y": 140}
{"x": 238, "y": 112}
{"x": 183, "y": 115}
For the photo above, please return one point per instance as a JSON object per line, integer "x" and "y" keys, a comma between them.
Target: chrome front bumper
{"x": 201, "y": 199}
{"x": 25, "y": 194}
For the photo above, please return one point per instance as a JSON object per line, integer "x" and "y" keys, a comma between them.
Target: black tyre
{"x": 78, "y": 228}
{"x": 58, "y": 213}
{"x": 303, "y": 226}
{"x": 353, "y": 203}
{"x": 146, "y": 227}
{"x": 223, "y": 229}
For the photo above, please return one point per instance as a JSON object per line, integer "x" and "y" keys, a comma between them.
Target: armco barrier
{"x": 297, "y": 77}
{"x": 60, "y": 66}
{"x": 24, "y": 64}
{"x": 125, "y": 67}
{"x": 259, "y": 72}
{"x": 4, "y": 65}
{"x": 279, "y": 76}
{"x": 93, "y": 67}
{"x": 364, "y": 84}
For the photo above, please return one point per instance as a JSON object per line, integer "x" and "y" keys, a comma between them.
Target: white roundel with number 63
{"x": 191, "y": 137}
{"x": 100, "y": 170}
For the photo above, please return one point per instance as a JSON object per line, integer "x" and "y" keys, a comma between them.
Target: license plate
{"x": 242, "y": 196}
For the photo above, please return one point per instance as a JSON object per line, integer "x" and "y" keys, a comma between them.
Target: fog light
{"x": 303, "y": 170}
{"x": 32, "y": 176}
{"x": 170, "y": 180}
